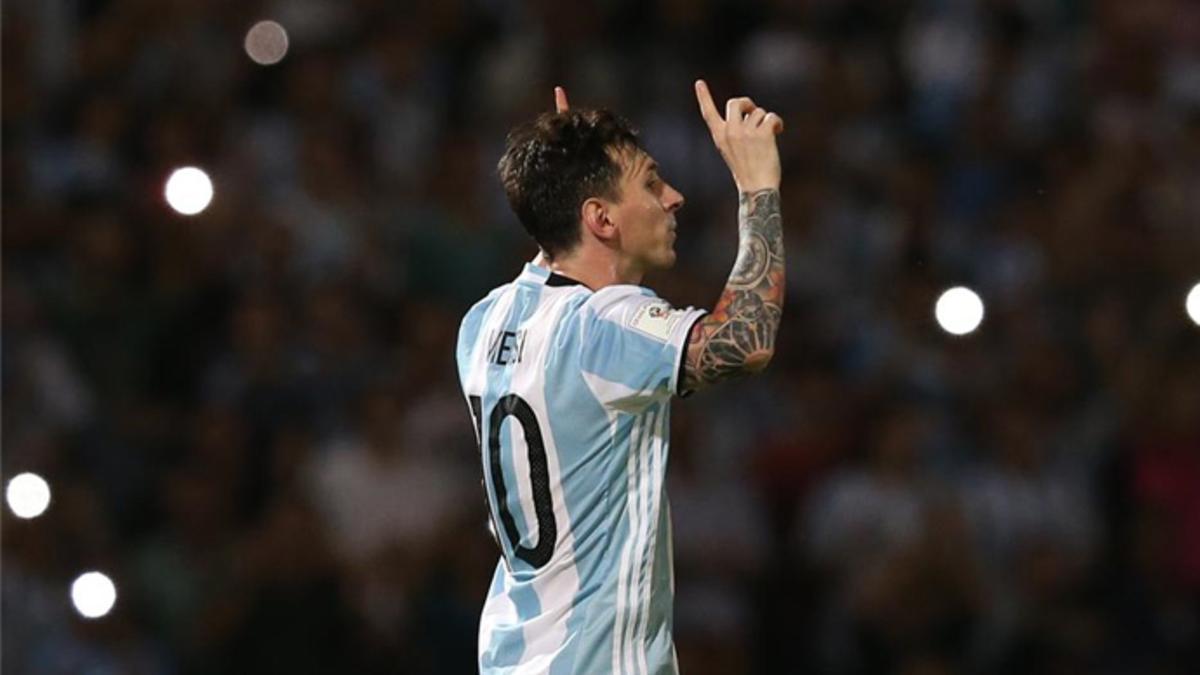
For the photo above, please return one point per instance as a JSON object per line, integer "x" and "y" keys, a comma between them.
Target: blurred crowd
{"x": 250, "y": 419}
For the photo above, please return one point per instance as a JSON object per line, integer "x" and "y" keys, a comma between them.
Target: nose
{"x": 672, "y": 198}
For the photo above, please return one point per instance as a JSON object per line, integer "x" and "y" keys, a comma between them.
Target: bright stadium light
{"x": 959, "y": 311}
{"x": 93, "y": 595}
{"x": 266, "y": 43}
{"x": 1193, "y": 304}
{"x": 28, "y": 495}
{"x": 189, "y": 190}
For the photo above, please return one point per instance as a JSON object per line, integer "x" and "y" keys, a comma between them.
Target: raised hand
{"x": 745, "y": 138}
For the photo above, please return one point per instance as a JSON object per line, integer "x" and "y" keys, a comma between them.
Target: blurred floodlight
{"x": 93, "y": 594}
{"x": 189, "y": 190}
{"x": 1193, "y": 304}
{"x": 266, "y": 43}
{"x": 959, "y": 311}
{"x": 28, "y": 495}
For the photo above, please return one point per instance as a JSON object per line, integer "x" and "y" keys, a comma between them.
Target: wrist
{"x": 750, "y": 188}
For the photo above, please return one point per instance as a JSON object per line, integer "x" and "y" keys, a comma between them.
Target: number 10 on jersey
{"x": 513, "y": 405}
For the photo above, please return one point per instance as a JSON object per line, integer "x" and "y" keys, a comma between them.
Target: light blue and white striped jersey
{"x": 570, "y": 392}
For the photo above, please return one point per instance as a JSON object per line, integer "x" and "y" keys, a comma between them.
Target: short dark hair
{"x": 554, "y": 163}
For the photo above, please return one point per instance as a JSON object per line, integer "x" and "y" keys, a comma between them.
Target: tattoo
{"x": 738, "y": 337}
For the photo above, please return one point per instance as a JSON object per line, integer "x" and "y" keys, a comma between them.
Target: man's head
{"x": 568, "y": 173}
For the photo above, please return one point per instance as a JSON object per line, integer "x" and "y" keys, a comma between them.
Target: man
{"x": 568, "y": 372}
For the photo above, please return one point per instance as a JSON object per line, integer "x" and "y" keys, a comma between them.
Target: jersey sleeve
{"x": 633, "y": 346}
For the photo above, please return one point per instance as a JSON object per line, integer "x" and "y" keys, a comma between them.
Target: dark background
{"x": 250, "y": 419}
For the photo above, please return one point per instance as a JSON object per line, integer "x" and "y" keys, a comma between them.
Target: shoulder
{"x": 638, "y": 310}
{"x": 614, "y": 299}
{"x": 475, "y": 315}
{"x": 472, "y": 325}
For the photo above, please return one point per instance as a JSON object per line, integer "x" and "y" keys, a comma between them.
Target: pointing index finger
{"x": 708, "y": 109}
{"x": 560, "y": 100}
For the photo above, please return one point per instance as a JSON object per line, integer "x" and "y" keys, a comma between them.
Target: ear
{"x": 595, "y": 216}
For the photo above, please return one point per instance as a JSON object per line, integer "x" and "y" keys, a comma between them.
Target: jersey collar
{"x": 556, "y": 279}
{"x": 540, "y": 275}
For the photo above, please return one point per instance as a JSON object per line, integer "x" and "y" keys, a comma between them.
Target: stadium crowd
{"x": 250, "y": 419}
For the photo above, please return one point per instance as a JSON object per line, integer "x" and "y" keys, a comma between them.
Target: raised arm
{"x": 738, "y": 336}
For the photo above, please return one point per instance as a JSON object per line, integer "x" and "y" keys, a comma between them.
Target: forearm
{"x": 738, "y": 337}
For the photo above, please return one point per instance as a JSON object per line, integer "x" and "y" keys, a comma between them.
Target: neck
{"x": 596, "y": 269}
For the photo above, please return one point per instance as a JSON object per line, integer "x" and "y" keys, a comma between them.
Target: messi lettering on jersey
{"x": 505, "y": 347}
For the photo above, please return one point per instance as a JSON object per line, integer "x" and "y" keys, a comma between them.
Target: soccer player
{"x": 569, "y": 370}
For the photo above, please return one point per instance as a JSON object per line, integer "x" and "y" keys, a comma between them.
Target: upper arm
{"x": 634, "y": 345}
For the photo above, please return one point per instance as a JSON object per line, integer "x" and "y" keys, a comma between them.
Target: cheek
{"x": 652, "y": 216}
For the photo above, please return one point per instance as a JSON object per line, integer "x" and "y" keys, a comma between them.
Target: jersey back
{"x": 569, "y": 390}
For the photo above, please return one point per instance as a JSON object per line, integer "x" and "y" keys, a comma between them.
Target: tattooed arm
{"x": 738, "y": 337}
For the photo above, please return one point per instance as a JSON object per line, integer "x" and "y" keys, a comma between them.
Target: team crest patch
{"x": 656, "y": 320}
